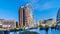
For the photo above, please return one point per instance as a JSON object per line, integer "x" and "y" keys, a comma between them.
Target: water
{"x": 42, "y": 31}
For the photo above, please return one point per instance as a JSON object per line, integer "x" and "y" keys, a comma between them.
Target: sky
{"x": 43, "y": 9}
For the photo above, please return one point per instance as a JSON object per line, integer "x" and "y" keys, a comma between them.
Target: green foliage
{"x": 46, "y": 26}
{"x": 23, "y": 29}
{"x": 53, "y": 25}
{"x": 40, "y": 26}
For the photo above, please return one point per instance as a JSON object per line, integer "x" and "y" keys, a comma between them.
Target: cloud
{"x": 41, "y": 5}
{"x": 49, "y": 5}
{"x": 35, "y": 4}
{"x": 44, "y": 4}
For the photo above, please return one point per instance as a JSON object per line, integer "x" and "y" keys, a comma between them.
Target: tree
{"x": 40, "y": 26}
{"x": 53, "y": 25}
{"x": 46, "y": 26}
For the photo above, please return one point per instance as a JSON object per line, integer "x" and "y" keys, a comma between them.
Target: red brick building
{"x": 24, "y": 17}
{"x": 20, "y": 17}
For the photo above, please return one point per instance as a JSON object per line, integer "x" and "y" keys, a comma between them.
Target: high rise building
{"x": 20, "y": 16}
{"x": 30, "y": 18}
{"x": 25, "y": 17}
{"x": 58, "y": 16}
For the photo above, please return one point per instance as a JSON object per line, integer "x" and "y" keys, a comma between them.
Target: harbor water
{"x": 53, "y": 31}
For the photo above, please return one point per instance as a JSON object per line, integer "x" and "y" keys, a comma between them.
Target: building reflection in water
{"x": 28, "y": 32}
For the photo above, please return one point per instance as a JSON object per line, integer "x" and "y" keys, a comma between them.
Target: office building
{"x": 58, "y": 16}
{"x": 9, "y": 24}
{"x": 20, "y": 16}
{"x": 48, "y": 22}
{"x": 25, "y": 17}
{"x": 17, "y": 24}
{"x": 1, "y": 21}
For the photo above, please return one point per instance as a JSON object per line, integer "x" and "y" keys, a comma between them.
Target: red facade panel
{"x": 21, "y": 17}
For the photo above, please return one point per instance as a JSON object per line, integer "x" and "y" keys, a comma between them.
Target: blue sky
{"x": 43, "y": 9}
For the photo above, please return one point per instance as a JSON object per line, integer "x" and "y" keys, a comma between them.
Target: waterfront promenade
{"x": 36, "y": 31}
{"x": 30, "y": 31}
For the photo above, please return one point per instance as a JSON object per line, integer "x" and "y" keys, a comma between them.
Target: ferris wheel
{"x": 29, "y": 6}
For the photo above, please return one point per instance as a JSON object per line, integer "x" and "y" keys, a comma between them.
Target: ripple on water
{"x": 37, "y": 31}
